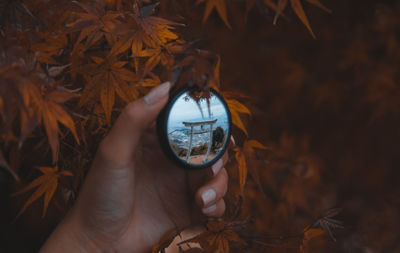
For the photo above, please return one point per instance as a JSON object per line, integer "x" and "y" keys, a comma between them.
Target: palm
{"x": 147, "y": 200}
{"x": 133, "y": 194}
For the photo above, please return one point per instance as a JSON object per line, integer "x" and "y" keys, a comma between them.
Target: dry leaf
{"x": 220, "y": 6}
{"x": 46, "y": 185}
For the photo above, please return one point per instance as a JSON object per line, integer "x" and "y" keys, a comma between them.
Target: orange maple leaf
{"x": 47, "y": 110}
{"x": 220, "y": 6}
{"x": 298, "y": 9}
{"x": 163, "y": 54}
{"x": 53, "y": 44}
{"x": 95, "y": 24}
{"x": 235, "y": 107}
{"x": 143, "y": 31}
{"x": 216, "y": 238}
{"x": 241, "y": 154}
{"x": 46, "y": 185}
{"x": 107, "y": 76}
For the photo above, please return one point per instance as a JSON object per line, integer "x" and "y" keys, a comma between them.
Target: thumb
{"x": 121, "y": 141}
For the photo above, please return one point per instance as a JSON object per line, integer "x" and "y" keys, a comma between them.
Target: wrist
{"x": 69, "y": 236}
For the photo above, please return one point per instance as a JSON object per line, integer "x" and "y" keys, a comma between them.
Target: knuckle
{"x": 221, "y": 209}
{"x": 131, "y": 111}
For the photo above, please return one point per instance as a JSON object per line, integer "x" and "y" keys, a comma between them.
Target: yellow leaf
{"x": 46, "y": 185}
{"x": 235, "y": 107}
{"x": 215, "y": 81}
{"x": 238, "y": 122}
{"x": 255, "y": 144}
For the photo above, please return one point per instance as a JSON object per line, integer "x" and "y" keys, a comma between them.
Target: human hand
{"x": 133, "y": 194}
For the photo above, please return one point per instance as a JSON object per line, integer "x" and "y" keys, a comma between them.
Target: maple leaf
{"x": 215, "y": 82}
{"x": 46, "y": 185}
{"x": 153, "y": 81}
{"x": 327, "y": 223}
{"x": 247, "y": 153}
{"x": 220, "y": 6}
{"x": 143, "y": 30}
{"x": 157, "y": 28}
{"x": 107, "y": 76}
{"x": 163, "y": 54}
{"x": 95, "y": 24}
{"x": 235, "y": 107}
{"x": 216, "y": 238}
{"x": 47, "y": 110}
{"x": 297, "y": 8}
{"x": 165, "y": 240}
{"x": 53, "y": 45}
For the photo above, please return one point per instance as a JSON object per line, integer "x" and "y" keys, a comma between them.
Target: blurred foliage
{"x": 316, "y": 120}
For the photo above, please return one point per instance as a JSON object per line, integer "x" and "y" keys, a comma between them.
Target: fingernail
{"x": 210, "y": 209}
{"x": 233, "y": 140}
{"x": 217, "y": 166}
{"x": 157, "y": 93}
{"x": 208, "y": 196}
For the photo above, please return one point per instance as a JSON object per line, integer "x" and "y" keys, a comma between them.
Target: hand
{"x": 133, "y": 194}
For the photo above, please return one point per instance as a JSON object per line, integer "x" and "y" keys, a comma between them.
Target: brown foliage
{"x": 314, "y": 119}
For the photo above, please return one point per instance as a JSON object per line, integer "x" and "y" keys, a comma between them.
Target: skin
{"x": 133, "y": 194}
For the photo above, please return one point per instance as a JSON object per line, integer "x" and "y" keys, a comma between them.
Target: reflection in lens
{"x": 197, "y": 130}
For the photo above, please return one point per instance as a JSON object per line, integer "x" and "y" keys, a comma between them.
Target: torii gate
{"x": 192, "y": 125}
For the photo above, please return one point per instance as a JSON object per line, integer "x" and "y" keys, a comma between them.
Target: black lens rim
{"x": 162, "y": 130}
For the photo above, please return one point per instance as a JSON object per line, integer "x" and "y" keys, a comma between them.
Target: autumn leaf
{"x": 216, "y": 238}
{"x": 327, "y": 223}
{"x": 46, "y": 186}
{"x": 220, "y": 6}
{"x": 151, "y": 81}
{"x": 142, "y": 31}
{"x": 163, "y": 54}
{"x": 165, "y": 240}
{"x": 95, "y": 24}
{"x": 247, "y": 153}
{"x": 53, "y": 45}
{"x": 320, "y": 5}
{"x": 298, "y": 9}
{"x": 106, "y": 77}
{"x": 48, "y": 111}
{"x": 235, "y": 107}
{"x": 280, "y": 8}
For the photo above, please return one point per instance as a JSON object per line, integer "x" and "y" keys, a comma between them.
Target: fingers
{"x": 216, "y": 167}
{"x": 215, "y": 210}
{"x": 209, "y": 196}
{"x": 121, "y": 141}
